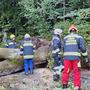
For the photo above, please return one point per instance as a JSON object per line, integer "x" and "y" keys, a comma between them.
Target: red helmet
{"x": 72, "y": 28}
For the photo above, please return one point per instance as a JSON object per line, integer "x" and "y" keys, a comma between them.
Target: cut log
{"x": 41, "y": 54}
{"x": 9, "y": 53}
{"x": 14, "y": 62}
{"x": 9, "y": 67}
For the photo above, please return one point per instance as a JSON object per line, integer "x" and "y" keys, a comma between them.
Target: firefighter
{"x": 73, "y": 45}
{"x": 28, "y": 52}
{"x": 56, "y": 53}
{"x": 12, "y": 42}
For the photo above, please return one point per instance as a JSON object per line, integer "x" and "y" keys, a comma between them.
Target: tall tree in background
{"x": 79, "y": 4}
{"x": 36, "y": 16}
{"x": 41, "y": 14}
{"x": 9, "y": 14}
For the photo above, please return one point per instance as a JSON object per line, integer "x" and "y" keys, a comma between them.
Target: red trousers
{"x": 70, "y": 65}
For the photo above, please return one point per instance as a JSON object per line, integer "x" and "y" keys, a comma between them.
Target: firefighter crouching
{"x": 12, "y": 42}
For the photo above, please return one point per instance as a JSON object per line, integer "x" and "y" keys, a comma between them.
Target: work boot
{"x": 56, "y": 77}
{"x": 61, "y": 68}
{"x": 65, "y": 86}
{"x": 76, "y": 88}
{"x": 31, "y": 72}
{"x": 26, "y": 74}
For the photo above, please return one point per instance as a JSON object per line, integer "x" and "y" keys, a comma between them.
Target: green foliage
{"x": 41, "y": 15}
{"x": 64, "y": 25}
{"x": 83, "y": 27}
{"x": 2, "y": 88}
{"x": 9, "y": 14}
{"x": 1, "y": 35}
{"x": 36, "y": 24}
{"x": 38, "y": 17}
{"x": 79, "y": 4}
{"x": 85, "y": 31}
{"x": 2, "y": 45}
{"x": 52, "y": 9}
{"x": 50, "y": 61}
{"x": 18, "y": 61}
{"x": 84, "y": 13}
{"x": 19, "y": 38}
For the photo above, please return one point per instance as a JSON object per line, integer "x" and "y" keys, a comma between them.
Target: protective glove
{"x": 86, "y": 60}
{"x": 21, "y": 53}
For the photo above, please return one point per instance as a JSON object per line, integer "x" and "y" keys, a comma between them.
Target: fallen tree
{"x": 13, "y": 62}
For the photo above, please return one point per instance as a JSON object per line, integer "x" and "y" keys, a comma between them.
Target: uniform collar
{"x": 27, "y": 39}
{"x": 73, "y": 33}
{"x": 56, "y": 35}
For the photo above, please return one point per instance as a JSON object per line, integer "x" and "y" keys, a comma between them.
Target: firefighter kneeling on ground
{"x": 56, "y": 53}
{"x": 28, "y": 52}
{"x": 73, "y": 45}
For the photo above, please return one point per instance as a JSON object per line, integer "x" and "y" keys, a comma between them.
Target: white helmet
{"x": 27, "y": 35}
{"x": 58, "y": 31}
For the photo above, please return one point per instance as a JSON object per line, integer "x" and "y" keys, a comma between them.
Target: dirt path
{"x": 41, "y": 80}
{"x": 85, "y": 77}
{"x": 38, "y": 81}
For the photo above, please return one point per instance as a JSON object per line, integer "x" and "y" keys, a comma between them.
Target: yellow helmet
{"x": 12, "y": 36}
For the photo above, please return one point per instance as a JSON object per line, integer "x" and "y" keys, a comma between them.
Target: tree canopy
{"x": 40, "y": 17}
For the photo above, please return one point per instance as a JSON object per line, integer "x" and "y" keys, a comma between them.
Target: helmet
{"x": 72, "y": 28}
{"x": 58, "y": 31}
{"x": 27, "y": 35}
{"x": 12, "y": 36}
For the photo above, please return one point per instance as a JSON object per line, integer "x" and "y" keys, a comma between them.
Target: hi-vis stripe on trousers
{"x": 55, "y": 51}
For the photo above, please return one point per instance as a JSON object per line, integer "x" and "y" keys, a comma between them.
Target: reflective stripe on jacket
{"x": 28, "y": 49}
{"x": 56, "y": 44}
{"x": 73, "y": 46}
{"x": 11, "y": 44}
